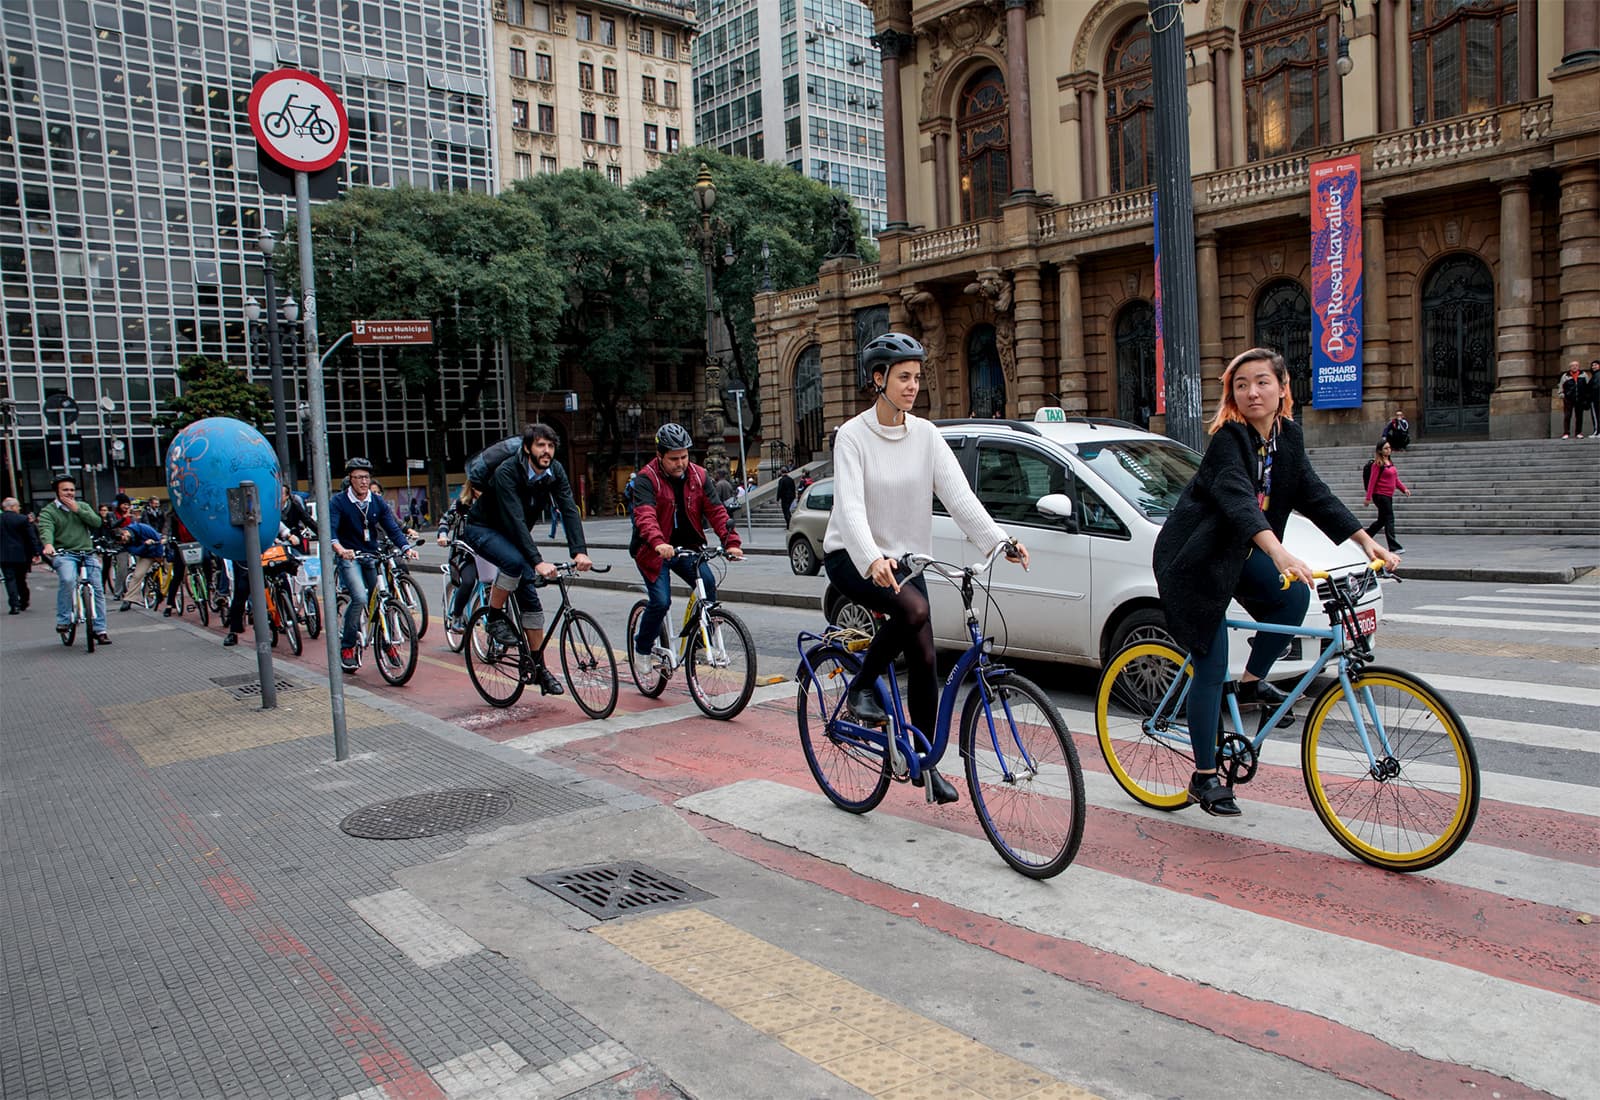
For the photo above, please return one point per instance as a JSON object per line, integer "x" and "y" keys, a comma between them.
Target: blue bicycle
{"x": 1020, "y": 761}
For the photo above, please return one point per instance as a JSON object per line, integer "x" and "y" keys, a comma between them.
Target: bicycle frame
{"x": 694, "y": 618}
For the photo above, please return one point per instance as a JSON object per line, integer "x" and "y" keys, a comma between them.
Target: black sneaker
{"x": 501, "y": 630}
{"x": 125, "y": 605}
{"x": 231, "y": 640}
{"x": 1260, "y": 693}
{"x": 102, "y": 638}
{"x": 548, "y": 682}
{"x": 1213, "y": 796}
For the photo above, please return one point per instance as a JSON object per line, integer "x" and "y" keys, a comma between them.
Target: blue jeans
{"x": 66, "y": 564}
{"x": 357, "y": 577}
{"x": 1267, "y": 601}
{"x": 659, "y": 594}
{"x": 555, "y": 520}
{"x": 516, "y": 573}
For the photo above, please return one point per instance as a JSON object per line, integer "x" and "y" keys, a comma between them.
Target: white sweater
{"x": 884, "y": 480}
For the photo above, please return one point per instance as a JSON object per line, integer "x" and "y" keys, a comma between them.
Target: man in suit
{"x": 19, "y": 552}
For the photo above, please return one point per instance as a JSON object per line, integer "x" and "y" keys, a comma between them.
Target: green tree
{"x": 474, "y": 265}
{"x": 626, "y": 301}
{"x": 210, "y": 387}
{"x": 757, "y": 203}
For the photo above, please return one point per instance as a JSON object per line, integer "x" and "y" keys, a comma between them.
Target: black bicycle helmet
{"x": 355, "y": 464}
{"x": 673, "y": 437}
{"x": 890, "y": 348}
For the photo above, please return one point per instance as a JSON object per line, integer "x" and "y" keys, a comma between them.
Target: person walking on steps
{"x": 1572, "y": 401}
{"x": 887, "y": 467}
{"x": 1382, "y": 479}
{"x": 1223, "y": 541}
{"x": 786, "y": 495}
{"x": 19, "y": 552}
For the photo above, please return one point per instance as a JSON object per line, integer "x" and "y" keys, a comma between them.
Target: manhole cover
{"x": 249, "y": 687}
{"x": 427, "y": 814}
{"x": 616, "y": 889}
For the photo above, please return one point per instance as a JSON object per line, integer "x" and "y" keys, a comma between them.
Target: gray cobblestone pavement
{"x": 183, "y": 916}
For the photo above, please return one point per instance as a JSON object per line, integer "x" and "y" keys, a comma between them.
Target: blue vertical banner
{"x": 1161, "y": 339}
{"x": 1336, "y": 283}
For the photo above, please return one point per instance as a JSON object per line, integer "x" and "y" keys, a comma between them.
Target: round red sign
{"x": 298, "y": 120}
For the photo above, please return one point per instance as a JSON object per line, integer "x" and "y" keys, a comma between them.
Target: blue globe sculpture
{"x": 208, "y": 458}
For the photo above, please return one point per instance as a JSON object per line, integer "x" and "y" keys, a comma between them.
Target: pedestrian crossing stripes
{"x": 1588, "y": 599}
{"x": 1544, "y": 611}
{"x": 1496, "y": 624}
{"x": 1514, "y": 689}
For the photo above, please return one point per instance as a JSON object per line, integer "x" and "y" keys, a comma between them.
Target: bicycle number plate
{"x": 1367, "y": 619}
{"x": 311, "y": 568}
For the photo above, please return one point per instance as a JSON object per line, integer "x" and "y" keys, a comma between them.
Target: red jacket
{"x": 655, "y": 508}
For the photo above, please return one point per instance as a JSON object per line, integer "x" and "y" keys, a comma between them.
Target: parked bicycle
{"x": 1020, "y": 761}
{"x": 278, "y": 564}
{"x": 714, "y": 649}
{"x": 500, "y": 670}
{"x": 386, "y": 625}
{"x": 1386, "y": 760}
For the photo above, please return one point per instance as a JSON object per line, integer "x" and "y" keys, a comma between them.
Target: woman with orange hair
{"x": 1223, "y": 541}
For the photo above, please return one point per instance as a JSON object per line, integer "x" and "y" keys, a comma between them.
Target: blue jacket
{"x": 141, "y": 532}
{"x": 353, "y": 532}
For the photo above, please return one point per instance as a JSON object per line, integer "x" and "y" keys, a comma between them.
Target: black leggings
{"x": 908, "y": 630}
{"x": 1385, "y": 520}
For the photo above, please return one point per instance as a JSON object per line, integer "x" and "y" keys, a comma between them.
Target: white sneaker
{"x": 660, "y": 657}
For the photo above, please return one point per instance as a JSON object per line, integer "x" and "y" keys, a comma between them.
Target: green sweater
{"x": 68, "y": 530}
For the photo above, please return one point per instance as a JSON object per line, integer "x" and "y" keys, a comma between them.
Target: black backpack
{"x": 1366, "y": 476}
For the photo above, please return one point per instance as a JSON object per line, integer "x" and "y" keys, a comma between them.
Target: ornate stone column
{"x": 1028, "y": 315}
{"x": 1073, "y": 385}
{"x": 1088, "y": 167}
{"x": 1221, "y": 63}
{"x": 1527, "y": 50}
{"x": 1515, "y": 408}
{"x": 1018, "y": 97}
{"x": 1335, "y": 85}
{"x": 1387, "y": 108}
{"x": 893, "y": 46}
{"x": 1377, "y": 381}
{"x": 1212, "y": 359}
{"x": 941, "y": 175}
{"x": 1580, "y": 261}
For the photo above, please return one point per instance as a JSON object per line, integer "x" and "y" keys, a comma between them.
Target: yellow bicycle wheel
{"x": 1415, "y": 805}
{"x": 1145, "y": 745}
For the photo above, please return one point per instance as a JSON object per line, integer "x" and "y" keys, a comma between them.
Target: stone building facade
{"x": 1021, "y": 163}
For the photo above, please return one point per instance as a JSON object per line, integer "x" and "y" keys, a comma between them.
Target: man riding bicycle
{"x": 64, "y": 527}
{"x": 498, "y": 528}
{"x": 673, "y": 502}
{"x": 357, "y": 516}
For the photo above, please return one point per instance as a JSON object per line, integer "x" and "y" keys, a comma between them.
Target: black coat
{"x": 1199, "y": 554}
{"x": 19, "y": 541}
{"x": 511, "y": 503}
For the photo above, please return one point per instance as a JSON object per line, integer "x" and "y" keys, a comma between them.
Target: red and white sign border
{"x": 277, "y": 76}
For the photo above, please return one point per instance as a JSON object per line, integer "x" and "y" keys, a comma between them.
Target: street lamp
{"x": 705, "y": 197}
{"x": 635, "y": 416}
{"x": 766, "y": 267}
{"x": 290, "y": 312}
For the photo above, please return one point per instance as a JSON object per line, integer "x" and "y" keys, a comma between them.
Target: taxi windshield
{"x": 1148, "y": 473}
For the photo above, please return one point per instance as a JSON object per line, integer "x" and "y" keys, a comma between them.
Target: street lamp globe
{"x": 705, "y": 192}
{"x": 267, "y": 243}
{"x": 291, "y": 309}
{"x": 252, "y": 309}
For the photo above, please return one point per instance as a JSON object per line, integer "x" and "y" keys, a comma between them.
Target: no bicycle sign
{"x": 298, "y": 120}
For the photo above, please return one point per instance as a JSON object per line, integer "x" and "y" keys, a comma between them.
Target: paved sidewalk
{"x": 185, "y": 918}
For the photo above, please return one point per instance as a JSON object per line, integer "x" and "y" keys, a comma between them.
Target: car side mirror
{"x": 1059, "y": 506}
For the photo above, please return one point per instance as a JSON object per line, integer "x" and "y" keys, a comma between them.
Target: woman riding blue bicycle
{"x": 1223, "y": 541}
{"x": 888, "y": 464}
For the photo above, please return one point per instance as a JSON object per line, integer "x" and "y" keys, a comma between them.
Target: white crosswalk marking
{"x": 1544, "y": 611}
{"x": 1588, "y": 601}
{"x": 1497, "y": 624}
{"x": 1514, "y": 689}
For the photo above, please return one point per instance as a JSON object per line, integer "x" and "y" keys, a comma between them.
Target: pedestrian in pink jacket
{"x": 1383, "y": 478}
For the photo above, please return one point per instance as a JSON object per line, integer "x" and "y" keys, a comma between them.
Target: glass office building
{"x": 130, "y": 208}
{"x": 796, "y": 82}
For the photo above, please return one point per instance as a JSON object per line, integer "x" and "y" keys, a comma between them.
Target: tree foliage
{"x": 756, "y": 203}
{"x": 210, "y": 387}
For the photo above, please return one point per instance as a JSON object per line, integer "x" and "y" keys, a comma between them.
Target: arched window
{"x": 1458, "y": 346}
{"x": 1463, "y": 57}
{"x": 984, "y": 137}
{"x": 1285, "y": 45}
{"x": 986, "y": 382}
{"x": 1136, "y": 363}
{"x": 1130, "y": 109}
{"x": 808, "y": 405}
{"x": 1283, "y": 323}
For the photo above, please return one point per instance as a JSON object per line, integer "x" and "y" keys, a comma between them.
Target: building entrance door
{"x": 1457, "y": 347}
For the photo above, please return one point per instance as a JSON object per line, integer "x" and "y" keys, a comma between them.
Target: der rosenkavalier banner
{"x": 1336, "y": 283}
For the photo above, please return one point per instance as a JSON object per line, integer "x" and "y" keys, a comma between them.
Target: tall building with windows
{"x": 795, "y": 82}
{"x": 130, "y": 208}
{"x": 1019, "y": 240}
{"x": 601, "y": 85}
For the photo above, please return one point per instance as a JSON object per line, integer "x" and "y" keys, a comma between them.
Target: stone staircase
{"x": 764, "y": 511}
{"x": 1512, "y": 487}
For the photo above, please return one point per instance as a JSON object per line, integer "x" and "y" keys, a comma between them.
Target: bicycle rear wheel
{"x": 288, "y": 623}
{"x": 1023, "y": 771}
{"x": 197, "y": 592}
{"x": 394, "y": 642}
{"x": 1148, "y": 753}
{"x": 313, "y": 613}
{"x": 1416, "y": 805}
{"x": 86, "y": 601}
{"x": 720, "y": 665}
{"x": 851, "y": 770}
{"x": 648, "y": 676}
{"x": 494, "y": 667}
{"x": 150, "y": 591}
{"x": 454, "y": 636}
{"x": 589, "y": 664}
{"x": 410, "y": 594}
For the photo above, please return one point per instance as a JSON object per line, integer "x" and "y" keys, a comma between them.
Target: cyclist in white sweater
{"x": 887, "y": 466}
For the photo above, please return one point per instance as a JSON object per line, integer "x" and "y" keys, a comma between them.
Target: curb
{"x": 1494, "y": 573}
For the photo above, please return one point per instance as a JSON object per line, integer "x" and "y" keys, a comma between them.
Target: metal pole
{"x": 249, "y": 502}
{"x": 66, "y": 455}
{"x": 280, "y": 427}
{"x": 744, "y": 473}
{"x": 1179, "y": 284}
{"x": 708, "y": 256}
{"x": 319, "y": 463}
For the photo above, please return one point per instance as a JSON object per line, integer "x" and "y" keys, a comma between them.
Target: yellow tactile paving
{"x": 198, "y": 724}
{"x": 866, "y": 1040}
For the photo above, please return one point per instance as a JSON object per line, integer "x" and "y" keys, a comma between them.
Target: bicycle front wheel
{"x": 494, "y": 667}
{"x": 394, "y": 643}
{"x": 720, "y": 665}
{"x": 86, "y": 600}
{"x": 589, "y": 664}
{"x": 1023, "y": 772}
{"x": 313, "y": 613}
{"x": 850, "y": 769}
{"x": 648, "y": 675}
{"x": 1412, "y": 803}
{"x": 1146, "y": 745}
{"x": 288, "y": 623}
{"x": 455, "y": 634}
{"x": 150, "y": 592}
{"x": 410, "y": 594}
{"x": 197, "y": 593}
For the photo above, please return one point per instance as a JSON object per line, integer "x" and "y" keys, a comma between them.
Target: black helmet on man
{"x": 673, "y": 437}
{"x": 890, "y": 348}
{"x": 355, "y": 464}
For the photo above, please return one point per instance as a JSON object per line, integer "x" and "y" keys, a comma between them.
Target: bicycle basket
{"x": 193, "y": 552}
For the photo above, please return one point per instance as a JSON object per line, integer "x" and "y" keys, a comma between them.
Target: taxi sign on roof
{"x": 1050, "y": 414}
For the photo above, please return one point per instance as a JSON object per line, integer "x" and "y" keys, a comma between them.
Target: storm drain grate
{"x": 426, "y": 814}
{"x": 249, "y": 687}
{"x": 613, "y": 890}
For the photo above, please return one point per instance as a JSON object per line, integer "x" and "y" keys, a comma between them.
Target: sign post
{"x": 67, "y": 409}
{"x": 744, "y": 473}
{"x": 302, "y": 125}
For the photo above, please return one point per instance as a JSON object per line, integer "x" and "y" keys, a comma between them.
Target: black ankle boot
{"x": 1213, "y": 795}
{"x": 944, "y": 792}
{"x": 862, "y": 700}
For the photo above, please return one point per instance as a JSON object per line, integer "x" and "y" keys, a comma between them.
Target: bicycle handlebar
{"x": 706, "y": 552}
{"x": 568, "y": 569}
{"x": 1376, "y": 565}
{"x": 917, "y": 563}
